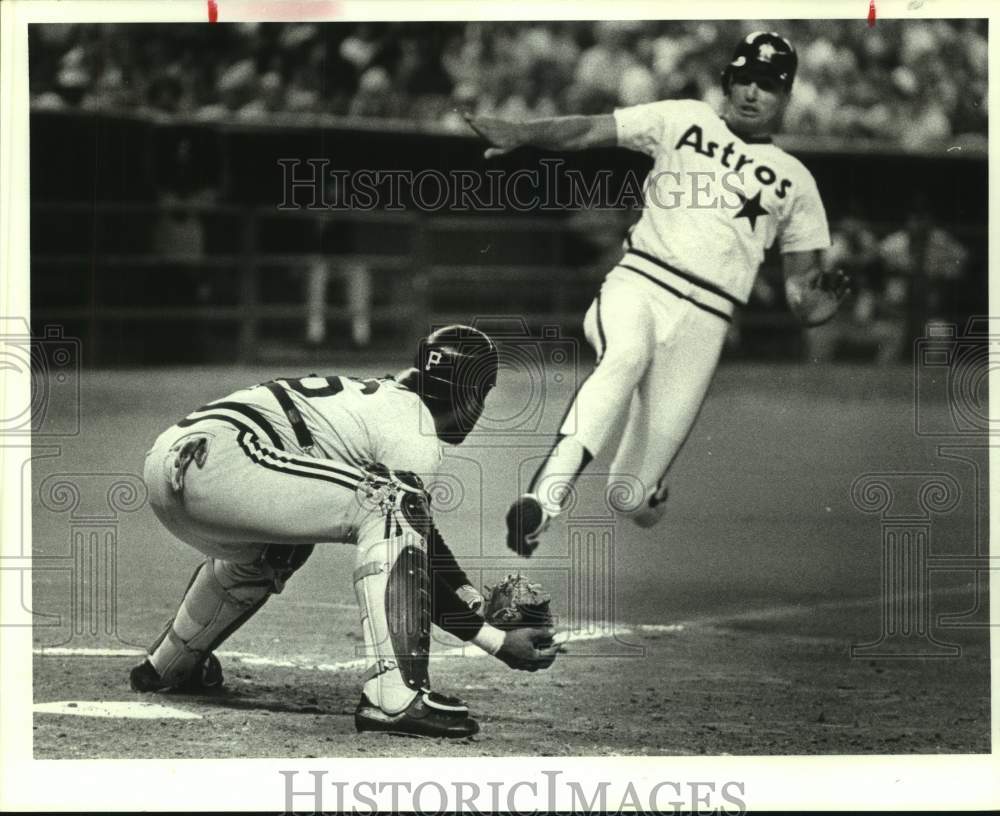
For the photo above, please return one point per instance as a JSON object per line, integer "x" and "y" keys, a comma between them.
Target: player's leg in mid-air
{"x": 658, "y": 352}
{"x": 663, "y": 411}
{"x": 225, "y": 492}
{"x": 620, "y": 325}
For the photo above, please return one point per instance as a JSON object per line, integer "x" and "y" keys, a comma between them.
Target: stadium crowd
{"x": 914, "y": 83}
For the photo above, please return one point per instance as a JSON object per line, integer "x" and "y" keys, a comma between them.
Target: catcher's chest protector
{"x": 392, "y": 582}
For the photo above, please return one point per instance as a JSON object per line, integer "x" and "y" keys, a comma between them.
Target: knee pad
{"x": 284, "y": 560}
{"x": 392, "y": 583}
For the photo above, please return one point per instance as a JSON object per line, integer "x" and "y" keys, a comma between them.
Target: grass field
{"x": 727, "y": 629}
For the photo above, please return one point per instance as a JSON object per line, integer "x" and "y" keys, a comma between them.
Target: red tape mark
{"x": 871, "y": 14}
{"x": 213, "y": 11}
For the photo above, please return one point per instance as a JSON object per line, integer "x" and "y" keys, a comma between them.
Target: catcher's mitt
{"x": 515, "y": 603}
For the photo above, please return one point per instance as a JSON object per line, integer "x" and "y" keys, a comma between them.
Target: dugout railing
{"x": 247, "y": 279}
{"x": 369, "y": 298}
{"x": 249, "y": 305}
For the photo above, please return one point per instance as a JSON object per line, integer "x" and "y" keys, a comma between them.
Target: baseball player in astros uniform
{"x": 719, "y": 194}
{"x": 256, "y": 479}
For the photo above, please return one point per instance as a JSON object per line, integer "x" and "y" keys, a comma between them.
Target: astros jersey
{"x": 352, "y": 421}
{"x": 714, "y": 202}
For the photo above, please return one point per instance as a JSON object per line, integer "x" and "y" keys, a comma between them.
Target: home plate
{"x": 116, "y": 710}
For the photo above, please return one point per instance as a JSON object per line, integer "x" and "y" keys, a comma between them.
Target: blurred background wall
{"x": 164, "y": 229}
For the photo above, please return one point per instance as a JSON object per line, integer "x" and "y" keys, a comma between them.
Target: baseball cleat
{"x": 526, "y": 521}
{"x": 655, "y": 508}
{"x": 660, "y": 496}
{"x": 144, "y": 678}
{"x": 429, "y": 715}
{"x": 204, "y": 679}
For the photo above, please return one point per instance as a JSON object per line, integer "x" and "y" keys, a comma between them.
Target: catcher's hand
{"x": 521, "y": 609}
{"x": 528, "y": 649}
{"x": 503, "y": 135}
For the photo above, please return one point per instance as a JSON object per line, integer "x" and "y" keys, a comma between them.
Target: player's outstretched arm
{"x": 560, "y": 133}
{"x": 814, "y": 293}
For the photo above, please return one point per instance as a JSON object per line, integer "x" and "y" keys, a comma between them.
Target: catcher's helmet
{"x": 457, "y": 361}
{"x": 454, "y": 370}
{"x": 762, "y": 54}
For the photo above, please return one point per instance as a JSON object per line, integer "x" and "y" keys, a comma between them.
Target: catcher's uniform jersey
{"x": 714, "y": 202}
{"x": 358, "y": 422}
{"x": 235, "y": 475}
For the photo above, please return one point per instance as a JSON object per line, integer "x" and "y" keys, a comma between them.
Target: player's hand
{"x": 504, "y": 136}
{"x": 529, "y": 649}
{"x": 836, "y": 282}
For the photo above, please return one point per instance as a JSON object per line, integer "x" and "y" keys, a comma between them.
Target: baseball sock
{"x": 554, "y": 480}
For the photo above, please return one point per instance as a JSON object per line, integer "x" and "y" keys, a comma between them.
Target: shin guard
{"x": 392, "y": 582}
{"x": 221, "y": 597}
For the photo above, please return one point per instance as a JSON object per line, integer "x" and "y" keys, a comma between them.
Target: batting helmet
{"x": 457, "y": 361}
{"x": 762, "y": 54}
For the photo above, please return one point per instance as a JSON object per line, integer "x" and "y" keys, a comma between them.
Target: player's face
{"x": 756, "y": 104}
{"x": 456, "y": 424}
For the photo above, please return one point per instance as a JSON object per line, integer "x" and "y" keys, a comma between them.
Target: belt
{"x": 705, "y": 295}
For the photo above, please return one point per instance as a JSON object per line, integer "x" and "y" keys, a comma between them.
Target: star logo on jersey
{"x": 751, "y": 209}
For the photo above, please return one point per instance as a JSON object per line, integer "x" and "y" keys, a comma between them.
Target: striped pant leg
{"x": 247, "y": 491}
{"x": 620, "y": 326}
{"x": 664, "y": 409}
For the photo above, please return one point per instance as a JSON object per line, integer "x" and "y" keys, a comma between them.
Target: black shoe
{"x": 429, "y": 715}
{"x": 205, "y": 678}
{"x": 144, "y": 678}
{"x": 526, "y": 521}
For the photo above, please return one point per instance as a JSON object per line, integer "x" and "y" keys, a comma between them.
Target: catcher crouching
{"x": 255, "y": 480}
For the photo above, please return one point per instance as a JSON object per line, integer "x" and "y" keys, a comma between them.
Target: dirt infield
{"x": 727, "y": 630}
{"x": 764, "y": 688}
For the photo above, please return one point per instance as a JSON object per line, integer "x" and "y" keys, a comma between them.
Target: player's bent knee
{"x": 285, "y": 560}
